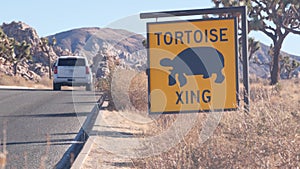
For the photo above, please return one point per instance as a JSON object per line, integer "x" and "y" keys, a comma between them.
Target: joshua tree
{"x": 6, "y": 46}
{"x": 22, "y": 52}
{"x": 265, "y": 11}
{"x": 253, "y": 46}
{"x": 13, "y": 51}
{"x": 46, "y": 46}
{"x": 288, "y": 65}
{"x": 144, "y": 42}
{"x": 276, "y": 19}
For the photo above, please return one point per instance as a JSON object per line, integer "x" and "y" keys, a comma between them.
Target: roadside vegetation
{"x": 267, "y": 137}
{"x": 6, "y": 80}
{"x": 3, "y": 152}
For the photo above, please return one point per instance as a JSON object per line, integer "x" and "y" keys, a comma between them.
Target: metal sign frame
{"x": 242, "y": 10}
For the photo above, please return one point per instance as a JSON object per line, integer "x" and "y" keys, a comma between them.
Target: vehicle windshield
{"x": 71, "y": 62}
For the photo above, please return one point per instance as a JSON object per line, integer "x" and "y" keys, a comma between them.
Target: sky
{"x": 50, "y": 17}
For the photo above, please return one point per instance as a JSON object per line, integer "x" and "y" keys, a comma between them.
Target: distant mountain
{"x": 88, "y": 41}
{"x": 263, "y": 71}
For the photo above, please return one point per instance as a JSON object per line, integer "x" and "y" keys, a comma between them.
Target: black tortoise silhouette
{"x": 195, "y": 61}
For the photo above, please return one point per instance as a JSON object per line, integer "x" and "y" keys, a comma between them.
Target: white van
{"x": 72, "y": 71}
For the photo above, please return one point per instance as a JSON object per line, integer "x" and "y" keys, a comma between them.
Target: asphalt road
{"x": 41, "y": 124}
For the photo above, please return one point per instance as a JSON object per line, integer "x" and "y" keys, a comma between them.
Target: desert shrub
{"x": 125, "y": 89}
{"x": 138, "y": 92}
{"x": 103, "y": 84}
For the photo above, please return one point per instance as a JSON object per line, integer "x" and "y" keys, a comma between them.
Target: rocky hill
{"x": 30, "y": 70}
{"x": 77, "y": 40}
{"x": 21, "y": 32}
{"x": 85, "y": 41}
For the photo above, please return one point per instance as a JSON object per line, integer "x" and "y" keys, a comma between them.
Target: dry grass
{"x": 126, "y": 89}
{"x": 2, "y": 160}
{"x": 19, "y": 81}
{"x": 138, "y": 93}
{"x": 267, "y": 137}
{"x": 3, "y": 152}
{"x": 12, "y": 80}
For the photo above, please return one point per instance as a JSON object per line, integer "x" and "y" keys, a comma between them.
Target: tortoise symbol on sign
{"x": 195, "y": 61}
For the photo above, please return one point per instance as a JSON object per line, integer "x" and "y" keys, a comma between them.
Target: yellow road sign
{"x": 193, "y": 65}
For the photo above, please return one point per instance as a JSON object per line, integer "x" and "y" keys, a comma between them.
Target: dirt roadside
{"x": 111, "y": 138}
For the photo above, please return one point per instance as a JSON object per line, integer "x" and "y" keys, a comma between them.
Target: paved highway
{"x": 41, "y": 124}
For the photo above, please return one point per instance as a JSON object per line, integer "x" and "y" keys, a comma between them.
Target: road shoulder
{"x": 112, "y": 127}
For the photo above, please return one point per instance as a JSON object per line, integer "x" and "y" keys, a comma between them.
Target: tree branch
{"x": 291, "y": 20}
{"x": 271, "y": 35}
{"x": 291, "y": 30}
{"x": 270, "y": 28}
